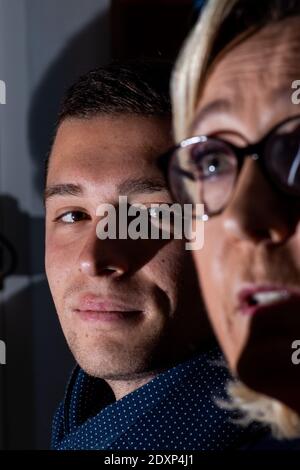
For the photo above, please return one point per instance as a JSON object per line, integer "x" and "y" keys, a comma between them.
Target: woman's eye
{"x": 214, "y": 165}
{"x": 72, "y": 216}
{"x": 212, "y": 160}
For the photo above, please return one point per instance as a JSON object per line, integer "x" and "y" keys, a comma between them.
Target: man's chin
{"x": 114, "y": 362}
{"x": 114, "y": 370}
{"x": 123, "y": 376}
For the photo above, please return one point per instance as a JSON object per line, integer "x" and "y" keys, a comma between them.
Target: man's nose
{"x": 258, "y": 211}
{"x": 103, "y": 257}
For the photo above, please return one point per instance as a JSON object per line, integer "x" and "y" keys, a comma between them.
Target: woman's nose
{"x": 258, "y": 211}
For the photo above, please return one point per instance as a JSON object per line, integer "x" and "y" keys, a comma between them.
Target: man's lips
{"x": 254, "y": 299}
{"x": 100, "y": 309}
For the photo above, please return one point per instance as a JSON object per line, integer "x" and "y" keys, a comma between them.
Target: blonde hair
{"x": 256, "y": 407}
{"x": 192, "y": 62}
{"x": 188, "y": 77}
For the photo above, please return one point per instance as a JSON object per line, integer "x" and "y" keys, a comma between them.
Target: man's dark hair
{"x": 132, "y": 88}
{"x": 138, "y": 88}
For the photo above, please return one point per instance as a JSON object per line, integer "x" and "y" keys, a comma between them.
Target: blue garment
{"x": 199, "y": 4}
{"x": 174, "y": 411}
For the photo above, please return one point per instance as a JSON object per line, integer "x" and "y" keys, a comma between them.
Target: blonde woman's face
{"x": 250, "y": 264}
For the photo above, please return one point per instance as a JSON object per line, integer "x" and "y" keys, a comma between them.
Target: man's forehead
{"x": 109, "y": 142}
{"x": 120, "y": 129}
{"x": 86, "y": 170}
{"x": 128, "y": 171}
{"x": 106, "y": 157}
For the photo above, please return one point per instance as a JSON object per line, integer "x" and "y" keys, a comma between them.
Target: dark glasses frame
{"x": 254, "y": 151}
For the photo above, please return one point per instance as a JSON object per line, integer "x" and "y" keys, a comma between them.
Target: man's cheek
{"x": 56, "y": 283}
{"x": 168, "y": 263}
{"x": 58, "y": 267}
{"x": 52, "y": 265}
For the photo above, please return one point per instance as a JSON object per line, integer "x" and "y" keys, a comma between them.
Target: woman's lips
{"x": 261, "y": 298}
{"x": 105, "y": 310}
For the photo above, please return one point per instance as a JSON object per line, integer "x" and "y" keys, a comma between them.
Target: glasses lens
{"x": 283, "y": 156}
{"x": 204, "y": 172}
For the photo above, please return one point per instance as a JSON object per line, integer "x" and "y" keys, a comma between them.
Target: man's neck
{"x": 121, "y": 387}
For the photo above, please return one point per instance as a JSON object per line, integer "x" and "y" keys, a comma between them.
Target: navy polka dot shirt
{"x": 174, "y": 411}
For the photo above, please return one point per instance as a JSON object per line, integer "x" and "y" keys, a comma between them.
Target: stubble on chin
{"x": 109, "y": 359}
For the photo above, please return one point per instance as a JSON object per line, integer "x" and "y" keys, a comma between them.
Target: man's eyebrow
{"x": 217, "y": 106}
{"x": 141, "y": 185}
{"x": 66, "y": 189}
{"x": 129, "y": 186}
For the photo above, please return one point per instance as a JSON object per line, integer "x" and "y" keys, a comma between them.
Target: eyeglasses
{"x": 205, "y": 169}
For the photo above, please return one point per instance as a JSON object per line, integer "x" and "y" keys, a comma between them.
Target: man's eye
{"x": 153, "y": 212}
{"x": 166, "y": 216}
{"x": 71, "y": 217}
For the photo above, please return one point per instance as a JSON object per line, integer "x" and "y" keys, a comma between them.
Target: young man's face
{"x": 125, "y": 306}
